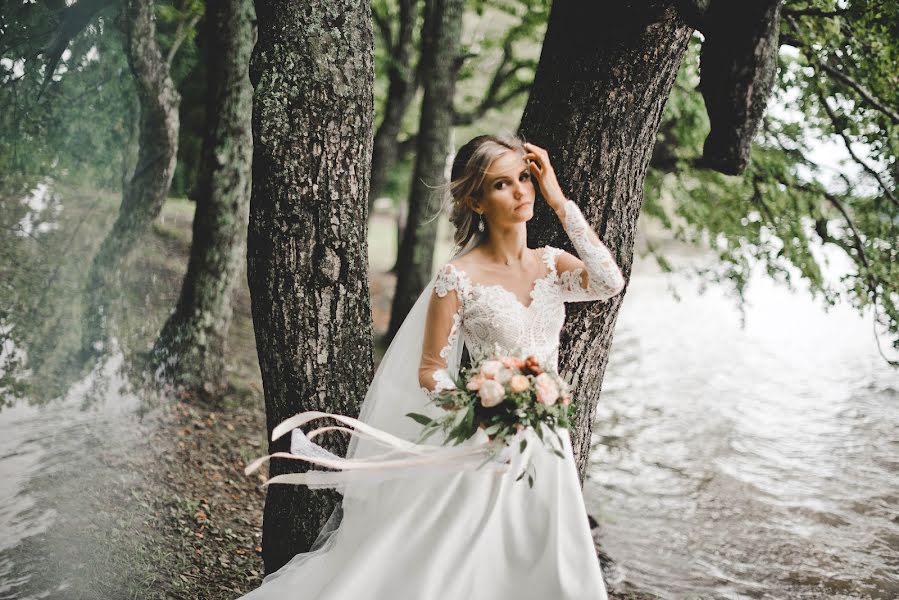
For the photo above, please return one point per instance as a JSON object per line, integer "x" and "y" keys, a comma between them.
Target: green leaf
{"x": 419, "y": 418}
{"x": 469, "y": 417}
{"x": 493, "y": 428}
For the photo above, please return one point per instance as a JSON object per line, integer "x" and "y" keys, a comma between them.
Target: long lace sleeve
{"x": 596, "y": 275}
{"x": 442, "y": 324}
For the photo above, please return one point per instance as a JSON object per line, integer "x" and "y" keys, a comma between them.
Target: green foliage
{"x": 78, "y": 126}
{"x": 82, "y": 125}
{"x": 837, "y": 84}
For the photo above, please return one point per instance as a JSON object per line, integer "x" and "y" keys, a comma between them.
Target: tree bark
{"x": 604, "y": 75}
{"x": 146, "y": 191}
{"x": 738, "y": 67}
{"x": 191, "y": 348}
{"x": 312, "y": 70}
{"x": 440, "y": 46}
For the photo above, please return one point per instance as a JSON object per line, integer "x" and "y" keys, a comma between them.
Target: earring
{"x": 480, "y": 223}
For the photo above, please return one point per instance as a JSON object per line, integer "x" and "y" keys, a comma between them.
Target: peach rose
{"x": 489, "y": 368}
{"x": 519, "y": 383}
{"x": 474, "y": 384}
{"x": 503, "y": 375}
{"x": 512, "y": 362}
{"x": 547, "y": 390}
{"x": 532, "y": 365}
{"x": 491, "y": 393}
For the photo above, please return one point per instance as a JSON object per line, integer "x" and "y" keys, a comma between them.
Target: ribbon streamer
{"x": 402, "y": 456}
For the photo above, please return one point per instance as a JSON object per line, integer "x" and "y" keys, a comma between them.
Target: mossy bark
{"x": 312, "y": 70}
{"x": 191, "y": 348}
{"x": 604, "y": 75}
{"x": 440, "y": 47}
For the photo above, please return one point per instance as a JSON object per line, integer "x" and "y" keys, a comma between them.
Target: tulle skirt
{"x": 457, "y": 536}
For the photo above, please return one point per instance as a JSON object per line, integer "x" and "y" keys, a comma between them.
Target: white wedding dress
{"x": 474, "y": 534}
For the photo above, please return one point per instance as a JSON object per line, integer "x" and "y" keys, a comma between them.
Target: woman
{"x": 436, "y": 524}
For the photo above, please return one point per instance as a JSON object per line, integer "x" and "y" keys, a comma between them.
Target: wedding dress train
{"x": 473, "y": 534}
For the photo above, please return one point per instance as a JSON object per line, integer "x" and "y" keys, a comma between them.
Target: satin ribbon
{"x": 403, "y": 454}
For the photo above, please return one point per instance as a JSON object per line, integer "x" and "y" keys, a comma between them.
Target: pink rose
{"x": 519, "y": 383}
{"x": 547, "y": 390}
{"x": 489, "y": 368}
{"x": 491, "y": 393}
{"x": 474, "y": 383}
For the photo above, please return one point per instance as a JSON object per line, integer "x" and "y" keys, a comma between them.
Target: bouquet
{"x": 501, "y": 394}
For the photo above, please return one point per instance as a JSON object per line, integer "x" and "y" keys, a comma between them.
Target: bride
{"x": 427, "y": 521}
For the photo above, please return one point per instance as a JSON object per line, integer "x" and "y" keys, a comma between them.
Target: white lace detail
{"x": 604, "y": 278}
{"x": 443, "y": 380}
{"x": 453, "y": 334}
{"x": 491, "y": 317}
{"x": 549, "y": 257}
{"x": 449, "y": 279}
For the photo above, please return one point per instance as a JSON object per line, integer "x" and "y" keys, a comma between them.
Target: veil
{"x": 383, "y": 425}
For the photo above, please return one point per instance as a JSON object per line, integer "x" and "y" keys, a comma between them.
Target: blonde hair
{"x": 467, "y": 179}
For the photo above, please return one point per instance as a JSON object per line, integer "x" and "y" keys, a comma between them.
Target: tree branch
{"x": 858, "y": 245}
{"x": 504, "y": 71}
{"x": 74, "y": 20}
{"x": 861, "y": 90}
{"x": 383, "y": 24}
{"x": 180, "y": 35}
{"x": 848, "y": 143}
{"x": 814, "y": 12}
{"x": 870, "y": 98}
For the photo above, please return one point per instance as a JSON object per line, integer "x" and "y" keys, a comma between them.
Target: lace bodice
{"x": 491, "y": 318}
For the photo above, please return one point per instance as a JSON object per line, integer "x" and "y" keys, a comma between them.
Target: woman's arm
{"x": 441, "y": 330}
{"x": 593, "y": 276}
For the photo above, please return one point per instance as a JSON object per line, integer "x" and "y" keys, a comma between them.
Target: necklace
{"x": 508, "y": 260}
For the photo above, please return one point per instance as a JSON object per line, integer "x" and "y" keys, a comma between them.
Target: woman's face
{"x": 508, "y": 193}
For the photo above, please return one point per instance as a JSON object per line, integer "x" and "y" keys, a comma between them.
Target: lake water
{"x": 756, "y": 462}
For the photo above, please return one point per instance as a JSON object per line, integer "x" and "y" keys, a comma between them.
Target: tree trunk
{"x": 400, "y": 91}
{"x": 604, "y": 75}
{"x": 146, "y": 191}
{"x": 132, "y": 142}
{"x": 192, "y": 345}
{"x": 312, "y": 70}
{"x": 440, "y": 46}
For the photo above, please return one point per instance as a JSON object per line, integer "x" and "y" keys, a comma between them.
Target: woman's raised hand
{"x": 541, "y": 168}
